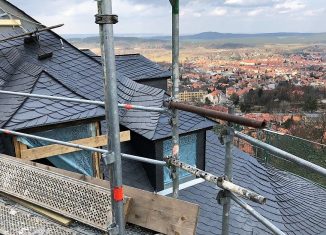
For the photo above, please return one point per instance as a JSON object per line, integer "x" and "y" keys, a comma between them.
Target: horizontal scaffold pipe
{"x": 143, "y": 159}
{"x": 78, "y": 146}
{"x": 258, "y": 216}
{"x": 216, "y": 114}
{"x": 32, "y": 32}
{"x": 83, "y": 101}
{"x": 282, "y": 154}
{"x": 217, "y": 180}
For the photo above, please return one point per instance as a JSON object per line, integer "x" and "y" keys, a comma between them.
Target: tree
{"x": 260, "y": 92}
{"x": 235, "y": 98}
{"x": 207, "y": 101}
{"x": 245, "y": 107}
{"x": 310, "y": 104}
{"x": 312, "y": 129}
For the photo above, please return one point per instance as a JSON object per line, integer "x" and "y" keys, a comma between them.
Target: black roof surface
{"x": 188, "y": 122}
{"x": 135, "y": 66}
{"x": 295, "y": 205}
{"x": 75, "y": 73}
{"x": 70, "y": 72}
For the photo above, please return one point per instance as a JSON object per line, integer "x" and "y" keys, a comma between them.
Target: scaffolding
{"x": 112, "y": 156}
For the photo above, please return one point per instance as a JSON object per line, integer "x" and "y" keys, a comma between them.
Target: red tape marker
{"x": 129, "y": 106}
{"x": 6, "y": 132}
{"x": 118, "y": 194}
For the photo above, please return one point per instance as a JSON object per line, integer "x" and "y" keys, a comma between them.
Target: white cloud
{"x": 314, "y": 12}
{"x": 154, "y": 16}
{"x": 249, "y": 3}
{"x": 289, "y": 6}
{"x": 79, "y": 9}
{"x": 219, "y": 12}
{"x": 256, "y": 12}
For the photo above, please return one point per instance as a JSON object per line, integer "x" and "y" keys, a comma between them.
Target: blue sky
{"x": 154, "y": 16}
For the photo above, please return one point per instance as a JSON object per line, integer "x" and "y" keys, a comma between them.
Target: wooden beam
{"x": 19, "y": 147}
{"x": 127, "y": 201}
{"x": 50, "y": 214}
{"x": 97, "y": 156}
{"x": 56, "y": 149}
{"x": 162, "y": 214}
{"x": 10, "y": 22}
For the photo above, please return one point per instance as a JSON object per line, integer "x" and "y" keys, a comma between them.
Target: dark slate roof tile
{"x": 135, "y": 67}
{"x": 295, "y": 205}
{"x": 78, "y": 73}
{"x": 45, "y": 112}
{"x": 188, "y": 122}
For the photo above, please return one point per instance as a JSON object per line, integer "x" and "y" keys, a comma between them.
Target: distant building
{"x": 229, "y": 91}
{"x": 192, "y": 95}
{"x": 216, "y": 97}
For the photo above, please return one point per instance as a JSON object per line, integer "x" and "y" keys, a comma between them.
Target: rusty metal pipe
{"x": 217, "y": 180}
{"x": 216, "y": 114}
{"x": 32, "y": 32}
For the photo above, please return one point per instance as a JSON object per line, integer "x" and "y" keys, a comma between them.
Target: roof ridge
{"x": 54, "y": 33}
{"x": 62, "y": 84}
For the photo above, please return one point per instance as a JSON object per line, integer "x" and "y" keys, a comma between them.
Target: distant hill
{"x": 96, "y": 39}
{"x": 216, "y": 35}
{"x": 212, "y": 36}
{"x": 215, "y": 39}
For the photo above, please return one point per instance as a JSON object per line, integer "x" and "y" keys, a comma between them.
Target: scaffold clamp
{"x": 108, "y": 158}
{"x": 222, "y": 197}
{"x": 113, "y": 229}
{"x": 106, "y": 19}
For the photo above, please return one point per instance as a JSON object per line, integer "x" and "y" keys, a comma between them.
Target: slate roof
{"x": 133, "y": 174}
{"x": 34, "y": 112}
{"x": 72, "y": 71}
{"x": 295, "y": 205}
{"x": 188, "y": 122}
{"x": 77, "y": 75}
{"x": 135, "y": 66}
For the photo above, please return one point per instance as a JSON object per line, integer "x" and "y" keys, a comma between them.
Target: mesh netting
{"x": 80, "y": 161}
{"x": 305, "y": 149}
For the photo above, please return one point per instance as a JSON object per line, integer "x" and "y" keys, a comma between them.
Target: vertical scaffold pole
{"x": 175, "y": 93}
{"x": 228, "y": 173}
{"x": 105, "y": 19}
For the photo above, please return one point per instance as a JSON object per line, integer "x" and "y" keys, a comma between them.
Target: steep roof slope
{"x": 73, "y": 70}
{"x": 135, "y": 66}
{"x": 294, "y": 205}
{"x": 39, "y": 112}
{"x": 188, "y": 122}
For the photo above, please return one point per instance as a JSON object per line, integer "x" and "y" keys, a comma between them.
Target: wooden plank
{"x": 158, "y": 213}
{"x": 19, "y": 147}
{"x": 10, "y": 22}
{"x": 56, "y": 149}
{"x": 50, "y": 214}
{"x": 127, "y": 201}
{"x": 97, "y": 156}
{"x": 162, "y": 214}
